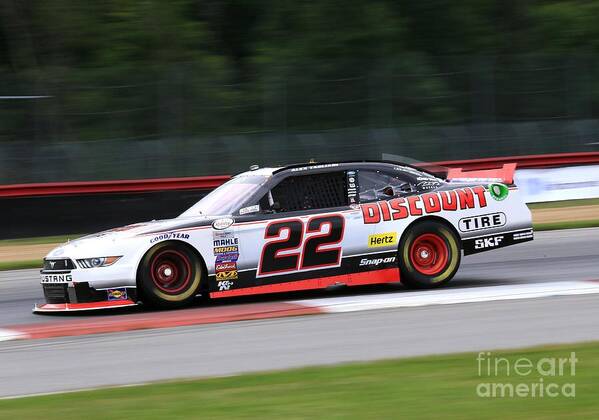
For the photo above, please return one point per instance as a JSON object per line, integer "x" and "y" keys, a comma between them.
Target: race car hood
{"x": 109, "y": 239}
{"x": 154, "y": 226}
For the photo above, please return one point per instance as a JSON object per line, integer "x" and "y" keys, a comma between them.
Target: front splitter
{"x": 74, "y": 307}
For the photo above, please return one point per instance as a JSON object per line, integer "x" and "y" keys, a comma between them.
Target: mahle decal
{"x": 499, "y": 192}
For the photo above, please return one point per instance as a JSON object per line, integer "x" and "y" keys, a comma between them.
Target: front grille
{"x": 58, "y": 264}
{"x": 56, "y": 293}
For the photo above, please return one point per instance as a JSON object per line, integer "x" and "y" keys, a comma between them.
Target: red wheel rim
{"x": 171, "y": 271}
{"x": 429, "y": 254}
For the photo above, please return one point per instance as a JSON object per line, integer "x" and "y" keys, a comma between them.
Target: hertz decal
{"x": 382, "y": 239}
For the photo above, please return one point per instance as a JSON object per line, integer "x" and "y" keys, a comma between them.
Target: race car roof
{"x": 259, "y": 172}
{"x": 300, "y": 167}
{"x": 348, "y": 164}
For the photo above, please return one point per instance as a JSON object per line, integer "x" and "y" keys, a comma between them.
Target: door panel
{"x": 298, "y": 245}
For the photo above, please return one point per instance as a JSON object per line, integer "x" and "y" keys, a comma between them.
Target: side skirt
{"x": 387, "y": 275}
{"x": 73, "y": 307}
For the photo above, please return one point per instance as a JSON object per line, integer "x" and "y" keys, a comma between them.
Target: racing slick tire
{"x": 429, "y": 255}
{"x": 170, "y": 275}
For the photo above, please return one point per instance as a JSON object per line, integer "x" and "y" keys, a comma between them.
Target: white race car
{"x": 299, "y": 227}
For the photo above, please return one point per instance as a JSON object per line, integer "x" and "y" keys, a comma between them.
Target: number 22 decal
{"x": 307, "y": 244}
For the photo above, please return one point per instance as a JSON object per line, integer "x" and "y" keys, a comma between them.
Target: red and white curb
{"x": 7, "y": 335}
{"x": 152, "y": 320}
{"x": 255, "y": 311}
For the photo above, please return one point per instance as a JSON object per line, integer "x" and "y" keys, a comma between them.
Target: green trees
{"x": 122, "y": 69}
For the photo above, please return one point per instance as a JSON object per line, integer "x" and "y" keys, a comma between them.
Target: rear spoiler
{"x": 505, "y": 174}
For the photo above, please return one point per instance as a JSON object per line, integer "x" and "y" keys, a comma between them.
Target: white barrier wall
{"x": 555, "y": 184}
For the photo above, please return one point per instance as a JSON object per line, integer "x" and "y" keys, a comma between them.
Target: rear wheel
{"x": 170, "y": 275}
{"x": 429, "y": 255}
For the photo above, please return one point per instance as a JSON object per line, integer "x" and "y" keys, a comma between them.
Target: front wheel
{"x": 429, "y": 255}
{"x": 170, "y": 275}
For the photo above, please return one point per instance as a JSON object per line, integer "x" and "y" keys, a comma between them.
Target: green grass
{"x": 574, "y": 224}
{"x": 426, "y": 387}
{"x": 41, "y": 240}
{"x": 19, "y": 265}
{"x": 564, "y": 203}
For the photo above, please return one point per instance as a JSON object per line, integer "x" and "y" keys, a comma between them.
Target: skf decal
{"x": 382, "y": 239}
{"x": 485, "y": 221}
{"x": 429, "y": 203}
{"x": 484, "y": 243}
{"x": 116, "y": 294}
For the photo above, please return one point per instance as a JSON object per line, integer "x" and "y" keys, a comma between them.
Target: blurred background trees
{"x": 285, "y": 80}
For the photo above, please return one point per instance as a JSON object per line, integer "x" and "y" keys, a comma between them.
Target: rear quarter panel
{"x": 500, "y": 216}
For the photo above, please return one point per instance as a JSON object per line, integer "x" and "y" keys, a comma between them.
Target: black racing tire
{"x": 429, "y": 255}
{"x": 170, "y": 275}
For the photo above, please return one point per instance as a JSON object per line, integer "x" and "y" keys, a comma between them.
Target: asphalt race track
{"x": 40, "y": 366}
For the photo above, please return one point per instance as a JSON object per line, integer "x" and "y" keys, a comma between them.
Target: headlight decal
{"x": 96, "y": 262}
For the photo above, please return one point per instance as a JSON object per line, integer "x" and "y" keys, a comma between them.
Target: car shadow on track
{"x": 341, "y": 291}
{"x": 337, "y": 291}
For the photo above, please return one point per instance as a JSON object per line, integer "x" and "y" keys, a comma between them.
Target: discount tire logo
{"x": 484, "y": 221}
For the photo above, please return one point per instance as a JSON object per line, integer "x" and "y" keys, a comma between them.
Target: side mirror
{"x": 274, "y": 208}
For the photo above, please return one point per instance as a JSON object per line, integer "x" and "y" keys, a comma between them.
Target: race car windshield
{"x": 227, "y": 198}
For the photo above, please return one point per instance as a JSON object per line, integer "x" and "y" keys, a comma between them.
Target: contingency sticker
{"x": 117, "y": 294}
